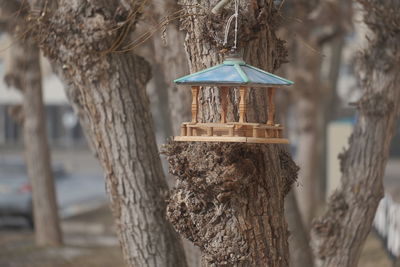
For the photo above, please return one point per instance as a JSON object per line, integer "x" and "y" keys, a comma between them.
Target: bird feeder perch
{"x": 233, "y": 73}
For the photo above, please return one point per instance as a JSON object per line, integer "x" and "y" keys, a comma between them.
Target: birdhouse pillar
{"x": 195, "y": 106}
{"x": 242, "y": 104}
{"x": 271, "y": 106}
{"x": 224, "y": 103}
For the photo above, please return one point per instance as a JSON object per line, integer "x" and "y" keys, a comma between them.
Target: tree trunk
{"x": 169, "y": 54}
{"x": 299, "y": 248}
{"x": 229, "y": 198}
{"x": 338, "y": 236}
{"x": 322, "y": 22}
{"x": 308, "y": 158}
{"x": 171, "y": 60}
{"x": 109, "y": 88}
{"x": 25, "y": 75}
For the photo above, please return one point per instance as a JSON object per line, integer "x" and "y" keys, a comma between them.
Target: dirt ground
{"x": 91, "y": 242}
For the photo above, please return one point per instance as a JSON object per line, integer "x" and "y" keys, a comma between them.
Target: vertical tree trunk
{"x": 229, "y": 197}
{"x": 339, "y": 234}
{"x": 109, "y": 89}
{"x": 299, "y": 248}
{"x": 26, "y": 76}
{"x": 170, "y": 104}
{"x": 169, "y": 54}
{"x": 322, "y": 22}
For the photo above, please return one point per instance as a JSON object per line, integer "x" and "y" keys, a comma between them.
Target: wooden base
{"x": 232, "y": 132}
{"x": 231, "y": 139}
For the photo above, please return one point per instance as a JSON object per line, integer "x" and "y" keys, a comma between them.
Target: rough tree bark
{"x": 229, "y": 198}
{"x": 25, "y": 75}
{"x": 109, "y": 89}
{"x": 338, "y": 236}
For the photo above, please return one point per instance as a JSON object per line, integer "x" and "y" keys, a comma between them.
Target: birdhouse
{"x": 233, "y": 73}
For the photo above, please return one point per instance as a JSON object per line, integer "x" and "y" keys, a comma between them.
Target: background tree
{"x": 170, "y": 104}
{"x": 338, "y": 236}
{"x": 168, "y": 53}
{"x": 25, "y": 75}
{"x": 229, "y": 197}
{"x": 83, "y": 39}
{"x": 316, "y": 31}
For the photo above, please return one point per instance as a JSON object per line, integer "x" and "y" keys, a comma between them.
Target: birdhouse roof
{"x": 233, "y": 72}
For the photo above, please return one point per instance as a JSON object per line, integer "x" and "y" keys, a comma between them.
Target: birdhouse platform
{"x": 234, "y": 72}
{"x": 232, "y": 132}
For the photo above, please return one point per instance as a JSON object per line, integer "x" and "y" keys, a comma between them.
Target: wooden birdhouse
{"x": 233, "y": 73}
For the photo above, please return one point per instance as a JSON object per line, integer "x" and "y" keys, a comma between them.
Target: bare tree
{"x": 25, "y": 75}
{"x": 85, "y": 41}
{"x": 229, "y": 198}
{"x": 170, "y": 105}
{"x": 170, "y": 57}
{"x": 338, "y": 236}
{"x": 169, "y": 60}
{"x": 169, "y": 53}
{"x": 314, "y": 26}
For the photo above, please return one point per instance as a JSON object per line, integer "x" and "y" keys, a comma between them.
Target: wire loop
{"x": 228, "y": 25}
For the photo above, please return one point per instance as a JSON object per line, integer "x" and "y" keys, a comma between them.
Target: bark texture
{"x": 339, "y": 234}
{"x": 229, "y": 201}
{"x": 229, "y": 197}
{"x": 25, "y": 75}
{"x": 109, "y": 89}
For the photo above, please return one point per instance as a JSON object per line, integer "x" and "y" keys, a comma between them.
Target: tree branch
{"x": 339, "y": 234}
{"x": 218, "y": 7}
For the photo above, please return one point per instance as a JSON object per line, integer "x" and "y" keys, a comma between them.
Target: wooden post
{"x": 242, "y": 104}
{"x": 224, "y": 103}
{"x": 183, "y": 130}
{"x": 255, "y": 132}
{"x": 210, "y": 131}
{"x": 231, "y": 131}
{"x": 195, "y": 106}
{"x": 271, "y": 106}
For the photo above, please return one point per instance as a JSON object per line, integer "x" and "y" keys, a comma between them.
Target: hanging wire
{"x": 228, "y": 25}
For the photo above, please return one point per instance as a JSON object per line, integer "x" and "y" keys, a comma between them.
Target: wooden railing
{"x": 254, "y": 130}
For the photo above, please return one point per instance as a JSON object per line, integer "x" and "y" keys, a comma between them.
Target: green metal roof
{"x": 233, "y": 72}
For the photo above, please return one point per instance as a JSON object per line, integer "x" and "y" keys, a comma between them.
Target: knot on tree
{"x": 79, "y": 38}
{"x": 377, "y": 104}
{"x": 329, "y": 225}
{"x": 289, "y": 171}
{"x": 219, "y": 186}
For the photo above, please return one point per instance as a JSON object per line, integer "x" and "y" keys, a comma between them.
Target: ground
{"x": 90, "y": 241}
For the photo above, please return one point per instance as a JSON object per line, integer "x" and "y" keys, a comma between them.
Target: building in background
{"x": 62, "y": 124}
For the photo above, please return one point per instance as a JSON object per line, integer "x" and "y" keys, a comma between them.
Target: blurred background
{"x": 87, "y": 223}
